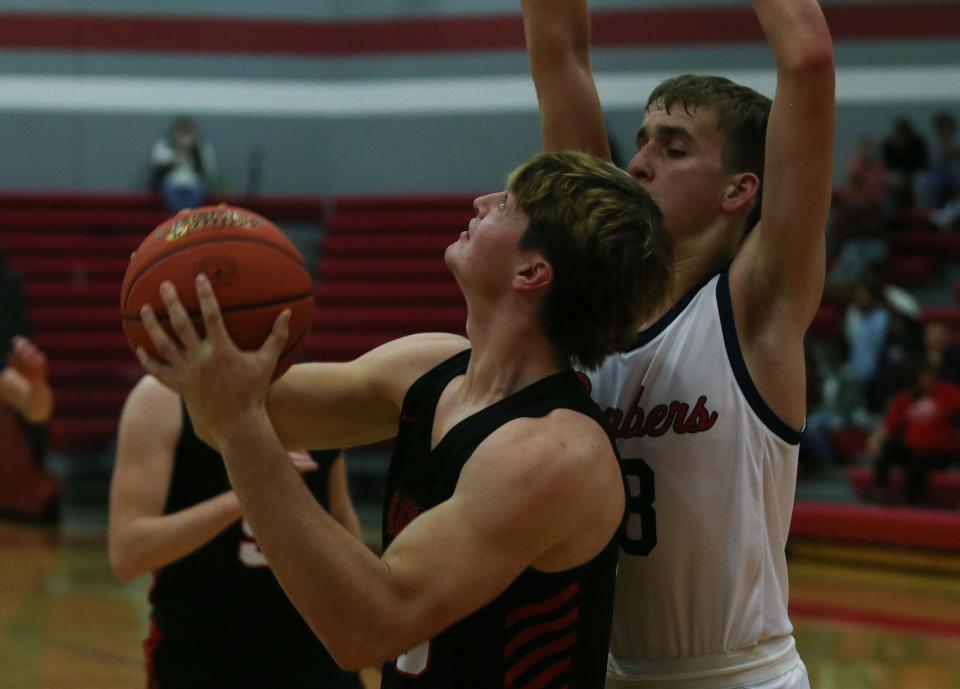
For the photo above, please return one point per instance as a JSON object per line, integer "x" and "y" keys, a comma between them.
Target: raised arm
{"x": 558, "y": 42}
{"x": 141, "y": 537}
{"x": 778, "y": 276}
{"x": 450, "y": 560}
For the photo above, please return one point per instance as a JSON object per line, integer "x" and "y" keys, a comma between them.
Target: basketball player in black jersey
{"x": 505, "y": 497}
{"x": 218, "y": 617}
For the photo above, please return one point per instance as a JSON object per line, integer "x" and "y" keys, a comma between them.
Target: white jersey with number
{"x": 712, "y": 473}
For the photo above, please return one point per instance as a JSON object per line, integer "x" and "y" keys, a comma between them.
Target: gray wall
{"x": 375, "y": 152}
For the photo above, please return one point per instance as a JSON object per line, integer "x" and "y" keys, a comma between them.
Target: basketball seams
{"x": 219, "y": 240}
{"x": 195, "y": 313}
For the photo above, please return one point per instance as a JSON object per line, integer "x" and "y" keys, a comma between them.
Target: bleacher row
{"x": 382, "y": 275}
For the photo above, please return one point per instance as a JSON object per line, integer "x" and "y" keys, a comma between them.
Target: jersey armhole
{"x": 739, "y": 366}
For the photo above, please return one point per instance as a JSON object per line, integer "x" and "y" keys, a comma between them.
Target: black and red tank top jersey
{"x": 218, "y": 616}
{"x": 546, "y": 630}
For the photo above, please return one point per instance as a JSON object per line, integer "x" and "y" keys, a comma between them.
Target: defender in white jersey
{"x": 708, "y": 405}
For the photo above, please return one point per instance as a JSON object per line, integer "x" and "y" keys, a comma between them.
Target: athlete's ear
{"x": 741, "y": 190}
{"x": 535, "y": 272}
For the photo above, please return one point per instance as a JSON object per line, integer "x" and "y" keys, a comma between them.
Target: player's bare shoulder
{"x": 150, "y": 396}
{"x": 565, "y": 465}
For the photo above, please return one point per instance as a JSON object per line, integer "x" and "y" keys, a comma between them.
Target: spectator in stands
{"x": 902, "y": 346}
{"x": 866, "y": 175}
{"x": 865, "y": 327}
{"x": 905, "y": 153}
{"x": 941, "y": 183}
{"x": 918, "y": 433}
{"x": 941, "y": 353}
{"x": 183, "y": 164}
{"x": 859, "y": 222}
{"x": 835, "y": 400}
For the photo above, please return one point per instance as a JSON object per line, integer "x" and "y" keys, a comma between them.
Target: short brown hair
{"x": 741, "y": 116}
{"x": 603, "y": 235}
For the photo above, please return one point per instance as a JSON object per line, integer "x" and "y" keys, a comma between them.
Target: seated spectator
{"x": 835, "y": 400}
{"x": 866, "y": 175}
{"x": 905, "y": 153}
{"x": 183, "y": 164}
{"x": 902, "y": 346}
{"x": 859, "y": 222}
{"x": 942, "y": 354}
{"x": 940, "y": 185}
{"x": 865, "y": 327}
{"x": 918, "y": 433}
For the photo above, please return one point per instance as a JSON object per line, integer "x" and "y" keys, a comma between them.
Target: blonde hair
{"x": 603, "y": 236}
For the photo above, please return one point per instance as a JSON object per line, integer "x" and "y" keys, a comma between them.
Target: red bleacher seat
{"x": 64, "y": 293}
{"x": 387, "y": 245}
{"x": 948, "y": 315}
{"x": 849, "y": 444}
{"x": 388, "y": 319}
{"x": 943, "y": 488}
{"x": 75, "y": 318}
{"x": 828, "y": 321}
{"x": 380, "y": 268}
{"x": 78, "y": 269}
{"x": 452, "y": 222}
{"x": 395, "y": 293}
{"x": 933, "y": 245}
{"x": 432, "y": 203}
{"x": 40, "y": 244}
{"x": 909, "y": 270}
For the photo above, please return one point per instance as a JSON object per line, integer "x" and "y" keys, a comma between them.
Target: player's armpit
{"x": 558, "y": 43}
{"x": 354, "y": 403}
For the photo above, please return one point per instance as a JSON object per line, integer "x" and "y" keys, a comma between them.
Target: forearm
{"x": 558, "y": 42}
{"x": 797, "y": 32}
{"x": 148, "y": 543}
{"x": 339, "y": 586}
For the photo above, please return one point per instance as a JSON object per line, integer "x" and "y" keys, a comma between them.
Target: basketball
{"x": 255, "y": 270}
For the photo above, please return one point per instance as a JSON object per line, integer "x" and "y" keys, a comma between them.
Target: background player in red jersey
{"x": 218, "y": 616}
{"x": 701, "y": 595}
{"x": 502, "y": 462}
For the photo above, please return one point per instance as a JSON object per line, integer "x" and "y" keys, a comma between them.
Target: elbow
{"x": 814, "y": 60}
{"x": 123, "y": 568}
{"x": 122, "y": 562}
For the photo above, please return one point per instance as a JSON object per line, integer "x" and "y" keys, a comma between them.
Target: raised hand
{"x": 23, "y": 383}
{"x": 220, "y": 383}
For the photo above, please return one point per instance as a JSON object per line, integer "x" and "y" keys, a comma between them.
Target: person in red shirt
{"x": 919, "y": 433}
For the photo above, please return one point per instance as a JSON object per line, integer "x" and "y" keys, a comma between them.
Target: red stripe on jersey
{"x": 548, "y": 675}
{"x": 539, "y": 629}
{"x": 529, "y": 660}
{"x": 543, "y": 606}
{"x": 149, "y": 647}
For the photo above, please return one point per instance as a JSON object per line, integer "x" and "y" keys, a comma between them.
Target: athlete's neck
{"x": 694, "y": 258}
{"x": 509, "y": 352}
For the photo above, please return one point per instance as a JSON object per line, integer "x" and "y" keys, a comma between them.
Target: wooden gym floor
{"x": 67, "y": 623}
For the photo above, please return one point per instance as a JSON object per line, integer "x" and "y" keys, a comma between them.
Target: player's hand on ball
{"x": 220, "y": 383}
